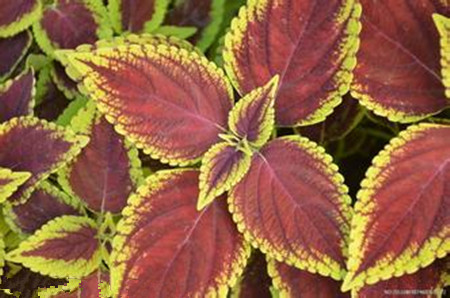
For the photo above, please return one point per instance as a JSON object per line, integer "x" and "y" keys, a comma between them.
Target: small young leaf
{"x": 223, "y": 166}
{"x": 63, "y": 82}
{"x": 70, "y": 23}
{"x": 17, "y": 15}
{"x": 137, "y": 15}
{"x": 293, "y": 282}
{"x": 35, "y": 146}
{"x": 166, "y": 247}
{"x": 177, "y": 123}
{"x": 443, "y": 26}
{"x": 65, "y": 247}
{"x": 253, "y": 117}
{"x": 16, "y": 96}
{"x": 427, "y": 281}
{"x": 107, "y": 170}
{"x": 398, "y": 73}
{"x": 10, "y": 181}
{"x": 46, "y": 203}
{"x": 401, "y": 220}
{"x": 293, "y": 205}
{"x": 206, "y": 15}
{"x": 310, "y": 44}
{"x": 12, "y": 51}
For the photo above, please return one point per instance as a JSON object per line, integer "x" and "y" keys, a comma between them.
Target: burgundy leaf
{"x": 12, "y": 51}
{"x": 16, "y": 96}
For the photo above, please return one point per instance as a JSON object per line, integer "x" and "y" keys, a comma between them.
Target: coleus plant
{"x": 238, "y": 185}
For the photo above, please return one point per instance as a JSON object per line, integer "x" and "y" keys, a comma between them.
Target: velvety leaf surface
{"x": 293, "y": 205}
{"x": 166, "y": 247}
{"x": 292, "y": 282}
{"x": 310, "y": 44}
{"x": 345, "y": 117}
{"x": 255, "y": 281}
{"x": 45, "y": 203}
{"x": 427, "y": 281}
{"x": 16, "y": 96}
{"x": 17, "y": 15}
{"x": 64, "y": 247}
{"x": 223, "y": 166}
{"x": 398, "y": 73}
{"x": 35, "y": 146}
{"x": 137, "y": 15}
{"x": 177, "y": 123}
{"x": 443, "y": 27}
{"x": 12, "y": 51}
{"x": 206, "y": 16}
{"x": 106, "y": 171}
{"x": 402, "y": 219}
{"x": 253, "y": 117}
{"x": 70, "y": 23}
{"x": 10, "y": 181}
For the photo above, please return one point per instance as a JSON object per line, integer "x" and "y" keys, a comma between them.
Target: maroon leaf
{"x": 45, "y": 204}
{"x": 35, "y": 146}
{"x": 63, "y": 82}
{"x": 166, "y": 247}
{"x": 70, "y": 23}
{"x": 12, "y": 51}
{"x": 177, "y": 123}
{"x": 17, "y": 15}
{"x": 16, "y": 96}
{"x": 427, "y": 281}
{"x": 310, "y": 44}
{"x": 292, "y": 204}
{"x": 105, "y": 172}
{"x": 398, "y": 70}
{"x": 293, "y": 282}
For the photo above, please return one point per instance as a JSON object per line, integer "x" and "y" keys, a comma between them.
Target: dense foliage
{"x": 198, "y": 148}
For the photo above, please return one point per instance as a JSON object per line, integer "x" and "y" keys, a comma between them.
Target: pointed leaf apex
{"x": 347, "y": 283}
{"x": 203, "y": 200}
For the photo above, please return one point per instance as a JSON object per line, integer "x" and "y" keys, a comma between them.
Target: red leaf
{"x": 401, "y": 222}
{"x": 35, "y": 146}
{"x": 102, "y": 174}
{"x": 427, "y": 281}
{"x": 310, "y": 44}
{"x": 12, "y": 51}
{"x": 177, "y": 123}
{"x": 166, "y": 247}
{"x": 45, "y": 204}
{"x": 398, "y": 70}
{"x": 16, "y": 96}
{"x": 292, "y": 282}
{"x": 51, "y": 102}
{"x": 292, "y": 204}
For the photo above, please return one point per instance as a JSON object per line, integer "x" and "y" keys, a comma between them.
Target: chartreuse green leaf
{"x": 401, "y": 221}
{"x": 223, "y": 166}
{"x": 253, "y": 117}
{"x": 29, "y": 144}
{"x": 17, "y": 15}
{"x": 443, "y": 27}
{"x": 137, "y": 16}
{"x": 10, "y": 181}
{"x": 164, "y": 247}
{"x": 180, "y": 32}
{"x": 66, "y": 247}
{"x": 176, "y": 124}
{"x": 107, "y": 170}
